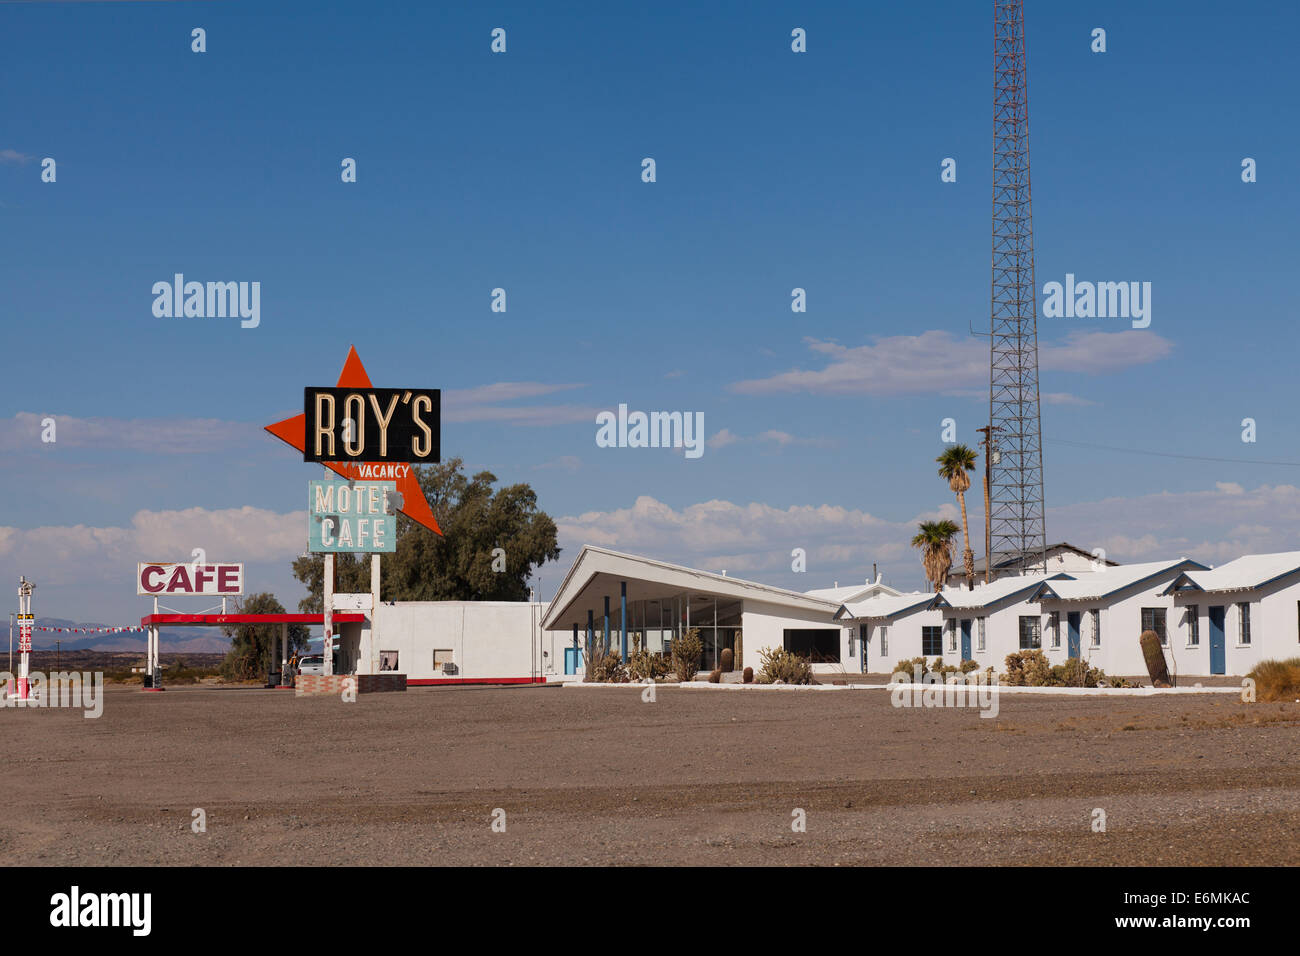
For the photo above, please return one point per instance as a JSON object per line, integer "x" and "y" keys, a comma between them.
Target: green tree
{"x": 955, "y": 461}
{"x": 461, "y": 565}
{"x": 255, "y": 648}
{"x": 934, "y": 538}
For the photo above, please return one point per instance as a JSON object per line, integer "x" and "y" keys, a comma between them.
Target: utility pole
{"x": 990, "y": 454}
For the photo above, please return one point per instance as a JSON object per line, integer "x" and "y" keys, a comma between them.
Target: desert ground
{"x": 597, "y": 776}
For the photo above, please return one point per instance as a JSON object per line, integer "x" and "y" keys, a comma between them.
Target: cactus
{"x": 749, "y": 675}
{"x": 728, "y": 660}
{"x": 715, "y": 677}
{"x": 1154, "y": 656}
{"x": 740, "y": 647}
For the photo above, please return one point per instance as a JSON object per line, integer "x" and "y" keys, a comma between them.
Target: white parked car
{"x": 312, "y": 665}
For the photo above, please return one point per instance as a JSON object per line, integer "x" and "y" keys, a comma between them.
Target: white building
{"x": 888, "y": 628}
{"x": 1100, "y": 615}
{"x": 608, "y": 597}
{"x": 990, "y": 621}
{"x": 1060, "y": 557}
{"x": 1231, "y": 617}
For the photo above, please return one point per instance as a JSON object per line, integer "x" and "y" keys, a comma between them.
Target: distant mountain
{"x": 195, "y": 640}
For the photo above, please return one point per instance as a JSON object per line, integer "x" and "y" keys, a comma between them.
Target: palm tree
{"x": 934, "y": 538}
{"x": 955, "y": 461}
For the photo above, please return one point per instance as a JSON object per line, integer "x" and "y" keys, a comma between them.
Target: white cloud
{"x": 938, "y": 362}
{"x": 76, "y": 565}
{"x": 11, "y": 157}
{"x": 167, "y": 436}
{"x": 772, "y": 436}
{"x": 754, "y": 540}
{"x": 478, "y": 404}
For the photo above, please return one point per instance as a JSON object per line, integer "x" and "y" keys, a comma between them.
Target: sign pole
{"x": 26, "y": 624}
{"x": 327, "y": 652}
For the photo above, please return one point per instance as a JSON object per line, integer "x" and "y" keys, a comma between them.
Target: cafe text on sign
{"x": 221, "y": 580}
{"x": 372, "y": 424}
{"x": 352, "y": 516}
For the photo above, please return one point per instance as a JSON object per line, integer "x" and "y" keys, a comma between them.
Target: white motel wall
{"x": 1097, "y": 615}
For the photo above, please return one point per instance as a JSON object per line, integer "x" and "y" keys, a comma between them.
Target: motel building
{"x": 1239, "y": 613}
{"x": 608, "y": 597}
{"x": 1211, "y": 621}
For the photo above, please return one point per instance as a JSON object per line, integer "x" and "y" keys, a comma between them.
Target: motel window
{"x": 862, "y": 636}
{"x": 1243, "y": 623}
{"x": 388, "y": 660}
{"x": 441, "y": 658}
{"x": 884, "y": 639}
{"x": 952, "y": 635}
{"x": 1153, "y": 619}
{"x": 932, "y": 641}
{"x": 1054, "y": 624}
{"x": 1094, "y": 618}
{"x": 1031, "y": 637}
{"x": 979, "y": 640}
{"x": 1193, "y": 625}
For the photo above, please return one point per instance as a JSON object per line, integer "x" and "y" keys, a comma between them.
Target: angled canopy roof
{"x": 1099, "y": 584}
{"x": 1243, "y": 574}
{"x": 598, "y": 572}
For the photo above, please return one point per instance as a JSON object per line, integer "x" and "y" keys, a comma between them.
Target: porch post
{"x": 606, "y": 642}
{"x": 622, "y": 594}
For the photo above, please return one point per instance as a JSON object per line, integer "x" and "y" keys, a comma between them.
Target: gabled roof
{"x": 855, "y": 592}
{"x": 1014, "y": 559}
{"x": 885, "y": 607}
{"x": 1006, "y": 589}
{"x": 593, "y": 561}
{"x": 1242, "y": 574}
{"x": 1093, "y": 585}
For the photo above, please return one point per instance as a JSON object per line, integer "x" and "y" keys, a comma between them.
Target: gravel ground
{"x": 698, "y": 777}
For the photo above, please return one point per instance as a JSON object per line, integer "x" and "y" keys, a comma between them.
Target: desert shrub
{"x": 686, "y": 655}
{"x": 644, "y": 665}
{"x": 782, "y": 665}
{"x": 1154, "y": 655}
{"x": 749, "y": 675}
{"x": 610, "y": 669}
{"x": 1027, "y": 669}
{"x": 728, "y": 660}
{"x": 1277, "y": 680}
{"x": 909, "y": 668}
{"x": 1075, "y": 672}
{"x": 715, "y": 676}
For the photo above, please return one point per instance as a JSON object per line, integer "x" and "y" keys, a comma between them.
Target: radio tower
{"x": 1017, "y": 522}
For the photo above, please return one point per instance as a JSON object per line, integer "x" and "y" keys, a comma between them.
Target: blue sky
{"x": 522, "y": 170}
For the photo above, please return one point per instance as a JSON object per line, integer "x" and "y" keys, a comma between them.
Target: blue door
{"x": 572, "y": 660}
{"x": 965, "y": 640}
{"x": 1217, "y": 661}
{"x": 1072, "y": 639}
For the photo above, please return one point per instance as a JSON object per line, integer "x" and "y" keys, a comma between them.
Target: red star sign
{"x": 293, "y": 431}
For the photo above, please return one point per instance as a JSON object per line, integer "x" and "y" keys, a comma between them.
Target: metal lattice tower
{"x": 1016, "y": 509}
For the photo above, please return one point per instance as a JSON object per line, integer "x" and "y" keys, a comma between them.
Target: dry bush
{"x": 1027, "y": 669}
{"x": 782, "y": 665}
{"x": 686, "y": 655}
{"x": 644, "y": 665}
{"x": 610, "y": 669}
{"x": 1277, "y": 680}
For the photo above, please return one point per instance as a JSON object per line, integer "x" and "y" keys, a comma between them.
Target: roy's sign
{"x": 220, "y": 580}
{"x": 352, "y": 516}
{"x": 372, "y": 424}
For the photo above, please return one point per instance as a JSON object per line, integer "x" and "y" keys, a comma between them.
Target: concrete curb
{"x": 983, "y": 688}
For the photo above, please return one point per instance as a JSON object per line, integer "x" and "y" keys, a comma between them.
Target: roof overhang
{"x": 599, "y": 573}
